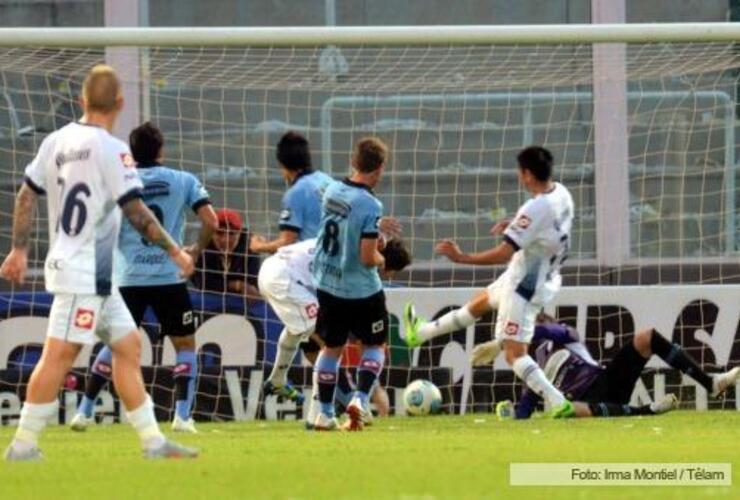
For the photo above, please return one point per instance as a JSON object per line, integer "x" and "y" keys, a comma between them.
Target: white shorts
{"x": 295, "y": 305}
{"x": 515, "y": 316}
{"x": 80, "y": 318}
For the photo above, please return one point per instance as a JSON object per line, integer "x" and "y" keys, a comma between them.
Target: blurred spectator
{"x": 227, "y": 265}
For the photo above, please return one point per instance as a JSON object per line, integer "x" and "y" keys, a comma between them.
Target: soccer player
{"x": 87, "y": 174}
{"x": 535, "y": 246}
{"x": 147, "y": 278}
{"x": 350, "y": 293}
{"x": 286, "y": 283}
{"x": 602, "y": 391}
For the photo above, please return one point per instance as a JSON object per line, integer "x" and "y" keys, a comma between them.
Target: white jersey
{"x": 298, "y": 258}
{"x": 85, "y": 172}
{"x": 541, "y": 234}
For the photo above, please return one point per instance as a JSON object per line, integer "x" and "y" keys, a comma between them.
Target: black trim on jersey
{"x": 508, "y": 239}
{"x": 132, "y": 194}
{"x": 288, "y": 227}
{"x": 148, "y": 164}
{"x": 200, "y": 203}
{"x": 369, "y": 236}
{"x": 359, "y": 185}
{"x": 525, "y": 292}
{"x": 34, "y": 187}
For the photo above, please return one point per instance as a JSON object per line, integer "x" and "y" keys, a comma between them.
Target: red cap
{"x": 229, "y": 220}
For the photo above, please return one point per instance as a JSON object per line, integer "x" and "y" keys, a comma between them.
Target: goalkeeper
{"x": 601, "y": 391}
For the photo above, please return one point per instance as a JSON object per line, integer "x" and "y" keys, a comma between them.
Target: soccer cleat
{"x": 170, "y": 449}
{"x": 30, "y": 455}
{"x": 80, "y": 422}
{"x": 723, "y": 381}
{"x": 563, "y": 410}
{"x": 181, "y": 425}
{"x": 484, "y": 354}
{"x": 325, "y": 423}
{"x": 505, "y": 410}
{"x": 665, "y": 404}
{"x": 286, "y": 391}
{"x": 355, "y": 412}
{"x": 412, "y": 323}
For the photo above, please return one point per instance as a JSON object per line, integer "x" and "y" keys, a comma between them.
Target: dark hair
{"x": 293, "y": 152}
{"x": 369, "y": 154}
{"x": 146, "y": 143}
{"x": 397, "y": 256}
{"x": 537, "y": 160}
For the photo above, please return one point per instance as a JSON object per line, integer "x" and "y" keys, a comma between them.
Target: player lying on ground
{"x": 87, "y": 174}
{"x": 601, "y": 391}
{"x": 535, "y": 246}
{"x": 147, "y": 278}
{"x": 286, "y": 283}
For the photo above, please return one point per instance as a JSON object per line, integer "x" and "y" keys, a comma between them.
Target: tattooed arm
{"x": 15, "y": 264}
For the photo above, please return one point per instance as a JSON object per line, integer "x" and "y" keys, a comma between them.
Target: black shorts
{"x": 310, "y": 346}
{"x": 170, "y": 303}
{"x": 366, "y": 319}
{"x": 616, "y": 383}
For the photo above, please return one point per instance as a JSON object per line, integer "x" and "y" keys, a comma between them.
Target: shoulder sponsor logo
{"x": 511, "y": 328}
{"x": 127, "y": 160}
{"x": 285, "y": 214}
{"x": 523, "y": 221}
{"x": 312, "y": 310}
{"x": 84, "y": 318}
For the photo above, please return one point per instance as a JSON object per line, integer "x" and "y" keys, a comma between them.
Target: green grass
{"x": 435, "y": 457}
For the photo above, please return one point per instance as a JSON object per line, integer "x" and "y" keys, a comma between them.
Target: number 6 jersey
{"x": 86, "y": 173}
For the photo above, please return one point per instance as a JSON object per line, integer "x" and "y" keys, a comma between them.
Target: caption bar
{"x": 620, "y": 474}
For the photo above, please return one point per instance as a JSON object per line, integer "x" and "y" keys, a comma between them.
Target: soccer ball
{"x": 421, "y": 397}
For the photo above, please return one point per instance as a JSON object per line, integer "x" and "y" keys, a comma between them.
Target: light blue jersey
{"x": 350, "y": 212}
{"x": 169, "y": 194}
{"x": 301, "y": 209}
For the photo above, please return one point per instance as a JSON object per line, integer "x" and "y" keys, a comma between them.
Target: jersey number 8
{"x": 330, "y": 242}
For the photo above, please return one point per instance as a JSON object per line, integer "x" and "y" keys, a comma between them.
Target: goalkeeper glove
{"x": 485, "y": 353}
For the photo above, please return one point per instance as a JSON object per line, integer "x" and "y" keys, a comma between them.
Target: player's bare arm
{"x": 208, "y": 226}
{"x": 260, "y": 244}
{"x": 16, "y": 263}
{"x": 369, "y": 254}
{"x": 500, "y": 254}
{"x": 144, "y": 221}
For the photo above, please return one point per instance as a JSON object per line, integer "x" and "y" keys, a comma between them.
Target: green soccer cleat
{"x": 564, "y": 410}
{"x": 412, "y": 323}
{"x": 286, "y": 391}
{"x": 505, "y": 410}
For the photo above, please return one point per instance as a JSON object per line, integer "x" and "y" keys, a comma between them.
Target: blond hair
{"x": 101, "y": 89}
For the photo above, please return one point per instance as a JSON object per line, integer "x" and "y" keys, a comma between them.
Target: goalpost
{"x": 643, "y": 135}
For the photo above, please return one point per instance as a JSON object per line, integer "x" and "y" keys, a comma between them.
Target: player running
{"x": 87, "y": 174}
{"x": 535, "y": 246}
{"x": 147, "y": 278}
{"x": 602, "y": 391}
{"x": 350, "y": 293}
{"x": 285, "y": 281}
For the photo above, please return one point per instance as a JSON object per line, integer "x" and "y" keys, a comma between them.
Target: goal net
{"x": 643, "y": 135}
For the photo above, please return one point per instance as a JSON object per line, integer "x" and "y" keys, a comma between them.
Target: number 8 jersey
{"x": 85, "y": 173}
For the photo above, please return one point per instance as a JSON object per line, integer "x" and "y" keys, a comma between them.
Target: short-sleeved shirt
{"x": 169, "y": 194}
{"x": 350, "y": 212}
{"x": 540, "y": 233}
{"x": 213, "y": 272}
{"x": 86, "y": 173}
{"x": 301, "y": 207}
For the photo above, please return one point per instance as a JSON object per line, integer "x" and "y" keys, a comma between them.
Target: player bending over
{"x": 147, "y": 278}
{"x": 350, "y": 293}
{"x": 535, "y": 246}
{"x": 285, "y": 281}
{"x": 87, "y": 174}
{"x": 602, "y": 391}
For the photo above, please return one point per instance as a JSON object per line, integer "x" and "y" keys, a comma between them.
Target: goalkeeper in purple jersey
{"x": 596, "y": 390}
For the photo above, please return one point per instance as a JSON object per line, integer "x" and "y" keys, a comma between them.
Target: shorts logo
{"x": 511, "y": 328}
{"x": 327, "y": 377}
{"x": 285, "y": 214}
{"x": 312, "y": 310}
{"x": 181, "y": 368}
{"x": 378, "y": 326}
{"x": 523, "y": 221}
{"x": 127, "y": 160}
{"x": 84, "y": 318}
{"x": 187, "y": 318}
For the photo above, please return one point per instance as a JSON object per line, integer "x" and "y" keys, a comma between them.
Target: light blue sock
{"x": 99, "y": 376}
{"x": 186, "y": 371}
{"x": 326, "y": 369}
{"x": 371, "y": 364}
{"x": 87, "y": 407}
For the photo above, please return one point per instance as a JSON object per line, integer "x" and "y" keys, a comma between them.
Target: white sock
{"x": 34, "y": 417}
{"x": 145, "y": 423}
{"x": 287, "y": 347}
{"x": 313, "y": 408}
{"x": 532, "y": 375}
{"x": 457, "y": 319}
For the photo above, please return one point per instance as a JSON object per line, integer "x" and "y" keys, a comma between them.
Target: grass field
{"x": 435, "y": 457}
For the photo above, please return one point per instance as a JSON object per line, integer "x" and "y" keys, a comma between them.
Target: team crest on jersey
{"x": 523, "y": 221}
{"x": 84, "y": 318}
{"x": 312, "y": 310}
{"x": 127, "y": 160}
{"x": 511, "y": 328}
{"x": 285, "y": 214}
